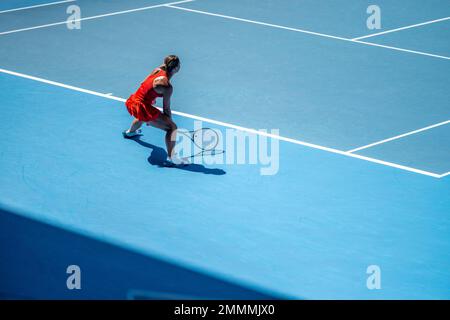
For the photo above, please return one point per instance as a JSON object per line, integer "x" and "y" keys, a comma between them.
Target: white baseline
{"x": 229, "y": 125}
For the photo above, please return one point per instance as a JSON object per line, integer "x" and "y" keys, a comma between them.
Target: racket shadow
{"x": 159, "y": 155}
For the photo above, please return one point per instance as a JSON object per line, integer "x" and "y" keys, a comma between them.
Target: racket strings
{"x": 206, "y": 139}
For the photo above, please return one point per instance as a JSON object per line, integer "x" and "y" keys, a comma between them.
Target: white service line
{"x": 402, "y": 28}
{"x": 37, "y": 6}
{"x": 444, "y": 174}
{"x": 93, "y": 17}
{"x": 401, "y": 49}
{"x": 229, "y": 125}
{"x": 257, "y": 22}
{"x": 306, "y": 31}
{"x": 59, "y": 84}
{"x": 400, "y": 136}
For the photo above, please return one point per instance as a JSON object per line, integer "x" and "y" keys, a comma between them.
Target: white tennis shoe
{"x": 175, "y": 159}
{"x": 128, "y": 134}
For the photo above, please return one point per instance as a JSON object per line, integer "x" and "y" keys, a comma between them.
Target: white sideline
{"x": 93, "y": 17}
{"x": 229, "y": 125}
{"x": 402, "y": 28}
{"x": 37, "y": 6}
{"x": 307, "y": 32}
{"x": 400, "y": 136}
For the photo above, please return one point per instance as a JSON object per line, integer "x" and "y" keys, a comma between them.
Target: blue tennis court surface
{"x": 361, "y": 154}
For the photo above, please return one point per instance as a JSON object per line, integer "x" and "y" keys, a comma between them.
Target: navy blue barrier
{"x": 34, "y": 257}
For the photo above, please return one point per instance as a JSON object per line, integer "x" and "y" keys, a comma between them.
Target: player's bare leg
{"x": 165, "y": 123}
{"x": 134, "y": 129}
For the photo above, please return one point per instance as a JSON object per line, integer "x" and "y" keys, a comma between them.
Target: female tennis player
{"x": 141, "y": 105}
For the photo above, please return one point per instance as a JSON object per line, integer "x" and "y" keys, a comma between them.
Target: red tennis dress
{"x": 140, "y": 104}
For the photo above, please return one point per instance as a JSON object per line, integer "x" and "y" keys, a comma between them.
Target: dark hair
{"x": 171, "y": 62}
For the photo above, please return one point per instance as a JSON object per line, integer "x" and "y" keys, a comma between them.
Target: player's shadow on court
{"x": 159, "y": 155}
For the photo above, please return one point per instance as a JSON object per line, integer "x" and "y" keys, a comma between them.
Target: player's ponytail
{"x": 171, "y": 62}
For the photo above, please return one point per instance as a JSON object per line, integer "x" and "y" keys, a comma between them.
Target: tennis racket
{"x": 206, "y": 139}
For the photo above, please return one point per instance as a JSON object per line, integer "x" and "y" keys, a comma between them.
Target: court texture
{"x": 362, "y": 136}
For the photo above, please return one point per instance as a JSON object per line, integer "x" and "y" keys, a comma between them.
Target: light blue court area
{"x": 74, "y": 192}
{"x": 308, "y": 232}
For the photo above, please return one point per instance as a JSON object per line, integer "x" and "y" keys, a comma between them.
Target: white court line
{"x": 400, "y": 136}
{"x": 93, "y": 17}
{"x": 257, "y": 22}
{"x": 444, "y": 174}
{"x": 37, "y": 6}
{"x": 229, "y": 125}
{"x": 402, "y": 28}
{"x": 403, "y": 50}
{"x": 306, "y": 31}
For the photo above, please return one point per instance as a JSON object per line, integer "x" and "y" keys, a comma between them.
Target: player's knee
{"x": 172, "y": 126}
